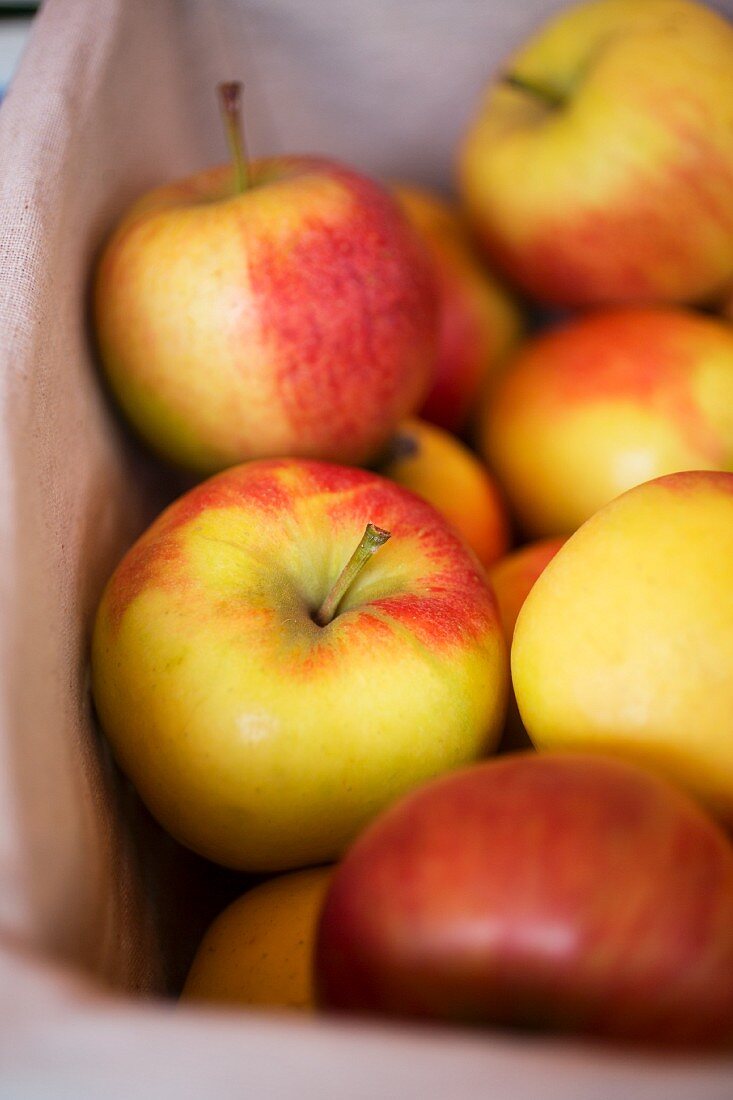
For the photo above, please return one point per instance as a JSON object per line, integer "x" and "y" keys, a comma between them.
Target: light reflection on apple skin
{"x": 256, "y": 726}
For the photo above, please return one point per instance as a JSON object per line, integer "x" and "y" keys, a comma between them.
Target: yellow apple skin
{"x": 625, "y": 643}
{"x": 613, "y": 181}
{"x": 441, "y": 470}
{"x": 478, "y": 319}
{"x": 606, "y": 402}
{"x": 259, "y": 951}
{"x": 255, "y": 736}
{"x": 227, "y": 323}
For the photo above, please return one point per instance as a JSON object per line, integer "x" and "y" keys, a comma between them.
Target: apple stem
{"x": 230, "y": 100}
{"x": 371, "y": 540}
{"x": 539, "y": 91}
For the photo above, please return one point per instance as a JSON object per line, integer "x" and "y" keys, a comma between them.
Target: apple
{"x": 478, "y": 320}
{"x": 564, "y": 892}
{"x": 599, "y": 167}
{"x": 440, "y": 469}
{"x": 259, "y": 951}
{"x": 269, "y": 685}
{"x": 625, "y": 643}
{"x": 511, "y": 579}
{"x": 285, "y": 307}
{"x": 513, "y": 576}
{"x": 604, "y": 402}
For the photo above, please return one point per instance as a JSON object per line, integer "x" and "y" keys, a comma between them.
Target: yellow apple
{"x": 440, "y": 469}
{"x": 259, "y": 951}
{"x": 625, "y": 643}
{"x": 599, "y": 167}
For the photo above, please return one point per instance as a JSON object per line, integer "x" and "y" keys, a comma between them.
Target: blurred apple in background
{"x": 259, "y": 951}
{"x": 569, "y": 893}
{"x": 512, "y": 578}
{"x": 269, "y": 682}
{"x": 478, "y": 321}
{"x": 281, "y": 308}
{"x": 625, "y": 643}
{"x": 605, "y": 402}
{"x": 599, "y": 168}
{"x": 440, "y": 469}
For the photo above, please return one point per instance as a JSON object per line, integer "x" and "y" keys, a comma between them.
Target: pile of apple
{"x": 303, "y": 660}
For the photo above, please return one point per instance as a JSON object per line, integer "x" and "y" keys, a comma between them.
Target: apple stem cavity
{"x": 230, "y": 100}
{"x": 371, "y": 540}
{"x": 549, "y": 96}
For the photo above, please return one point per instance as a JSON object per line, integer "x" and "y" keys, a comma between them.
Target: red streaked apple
{"x": 571, "y": 893}
{"x": 478, "y": 320}
{"x": 599, "y": 167}
{"x": 604, "y": 402}
{"x": 440, "y": 469}
{"x": 281, "y": 308}
{"x": 269, "y": 682}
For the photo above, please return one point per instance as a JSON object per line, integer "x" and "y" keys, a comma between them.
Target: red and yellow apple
{"x": 265, "y": 698}
{"x": 294, "y": 315}
{"x": 259, "y": 951}
{"x": 625, "y": 643}
{"x": 607, "y": 401}
{"x": 478, "y": 321}
{"x": 565, "y": 892}
{"x": 440, "y": 469}
{"x": 599, "y": 168}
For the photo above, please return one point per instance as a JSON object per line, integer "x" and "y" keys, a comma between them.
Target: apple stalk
{"x": 549, "y": 96}
{"x": 230, "y": 100}
{"x": 371, "y": 540}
